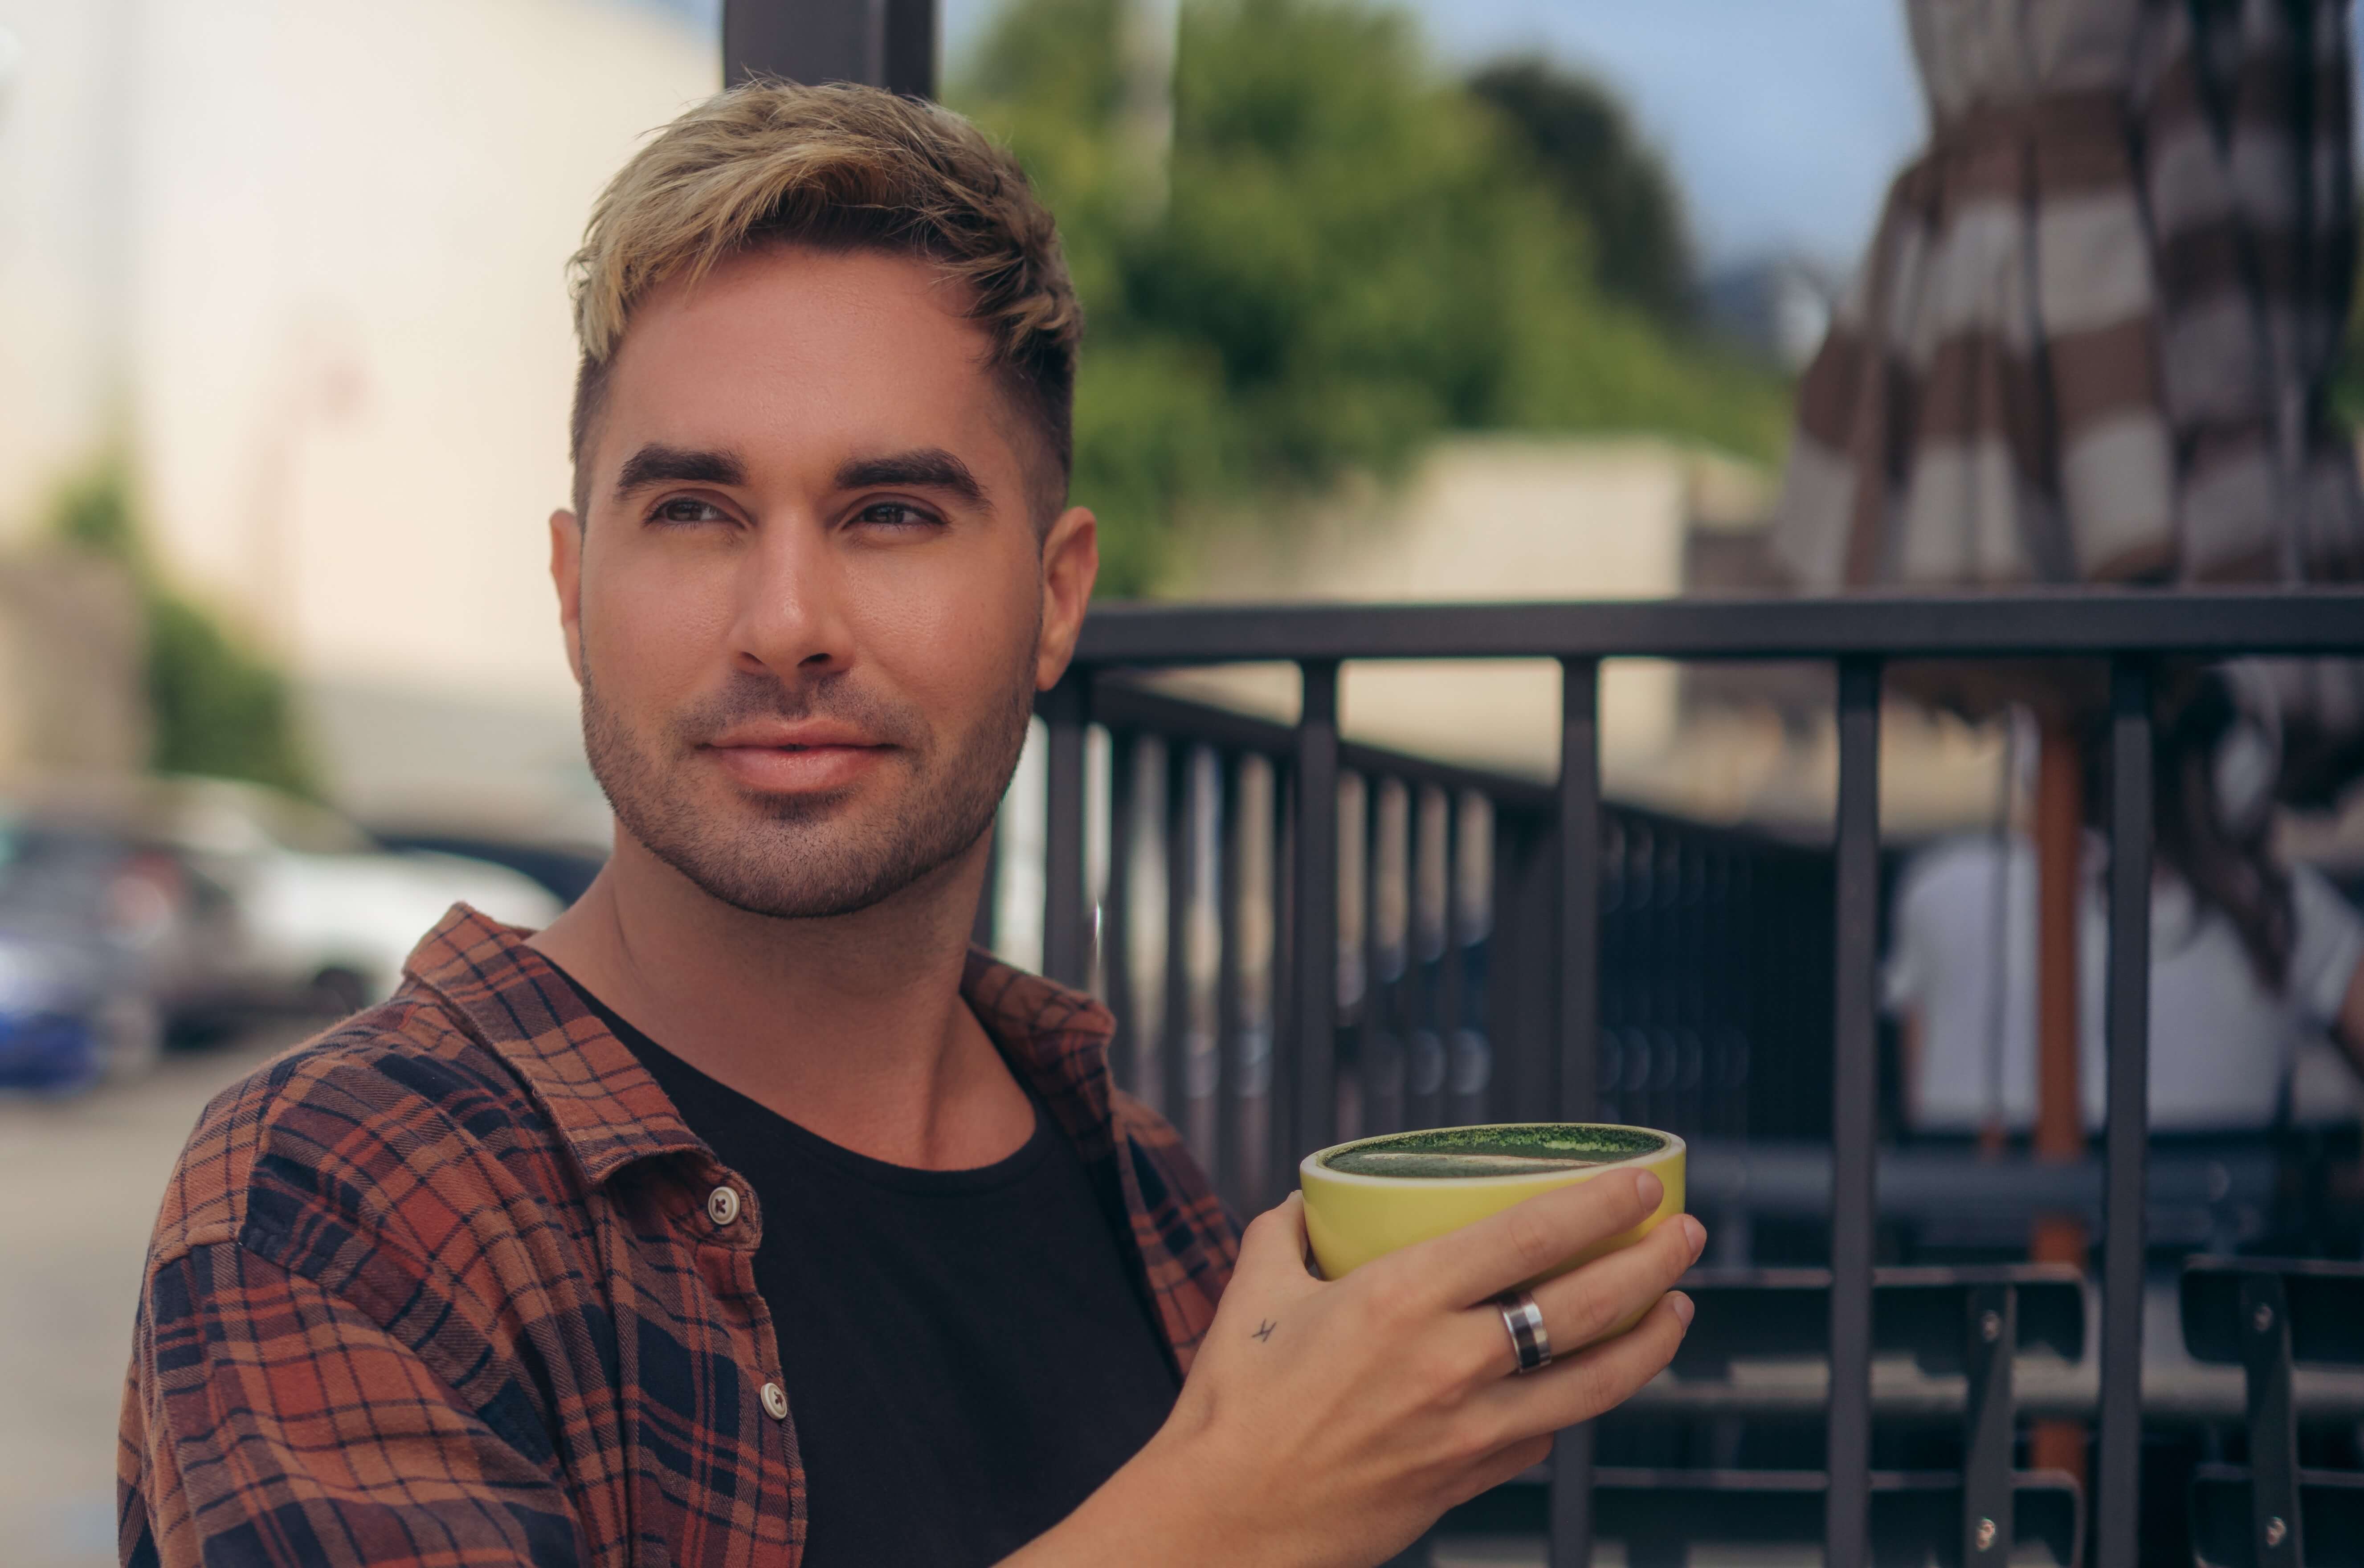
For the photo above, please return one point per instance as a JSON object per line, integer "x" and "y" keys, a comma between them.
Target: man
{"x": 744, "y": 1216}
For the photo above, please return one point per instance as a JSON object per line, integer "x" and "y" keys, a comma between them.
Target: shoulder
{"x": 364, "y": 1121}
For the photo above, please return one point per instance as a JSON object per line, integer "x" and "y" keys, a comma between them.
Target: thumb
{"x": 1273, "y": 1247}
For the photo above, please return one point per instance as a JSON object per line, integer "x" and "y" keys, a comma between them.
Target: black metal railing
{"x": 1549, "y": 993}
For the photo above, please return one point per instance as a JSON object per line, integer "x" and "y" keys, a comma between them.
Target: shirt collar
{"x": 610, "y": 1112}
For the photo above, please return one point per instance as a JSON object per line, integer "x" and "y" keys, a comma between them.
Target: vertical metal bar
{"x": 1231, "y": 1031}
{"x": 1281, "y": 1152}
{"x": 2277, "y": 1537}
{"x": 1847, "y": 1507}
{"x": 1181, "y": 868}
{"x": 1576, "y": 959}
{"x": 2117, "y": 1495}
{"x": 1450, "y": 1000}
{"x": 1376, "y": 1082}
{"x": 907, "y": 48}
{"x": 1991, "y": 1339}
{"x": 1315, "y": 981}
{"x": 1497, "y": 1000}
{"x": 1427, "y": 1040}
{"x": 887, "y": 43}
{"x": 1527, "y": 957}
{"x": 1116, "y": 913}
{"x": 1066, "y": 938}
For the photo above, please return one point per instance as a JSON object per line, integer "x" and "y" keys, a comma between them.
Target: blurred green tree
{"x": 1344, "y": 254}
{"x": 1584, "y": 144}
{"x": 217, "y": 705}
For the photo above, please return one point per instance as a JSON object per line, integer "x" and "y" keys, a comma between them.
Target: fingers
{"x": 1484, "y": 1259}
{"x": 1584, "y": 1304}
{"x": 1578, "y": 1387}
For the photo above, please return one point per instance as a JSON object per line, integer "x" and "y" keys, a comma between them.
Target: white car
{"x": 320, "y": 916}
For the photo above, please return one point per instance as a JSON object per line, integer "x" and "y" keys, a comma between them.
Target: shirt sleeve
{"x": 269, "y": 1421}
{"x": 2328, "y": 945}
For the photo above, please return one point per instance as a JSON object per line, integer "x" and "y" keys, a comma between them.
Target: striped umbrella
{"x": 2091, "y": 341}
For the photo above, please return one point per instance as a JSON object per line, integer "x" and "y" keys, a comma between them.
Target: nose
{"x": 791, "y": 602}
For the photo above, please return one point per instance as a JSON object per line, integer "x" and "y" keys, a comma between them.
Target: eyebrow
{"x": 659, "y": 464}
{"x": 921, "y": 468}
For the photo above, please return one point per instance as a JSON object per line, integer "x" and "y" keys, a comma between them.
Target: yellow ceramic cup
{"x": 1370, "y": 1196}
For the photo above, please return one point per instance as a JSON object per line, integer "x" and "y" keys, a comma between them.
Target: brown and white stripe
{"x": 2091, "y": 339}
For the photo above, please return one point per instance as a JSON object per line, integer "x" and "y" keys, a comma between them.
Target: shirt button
{"x": 722, "y": 1205}
{"x": 775, "y": 1401}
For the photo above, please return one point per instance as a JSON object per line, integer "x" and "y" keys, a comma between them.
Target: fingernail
{"x": 1648, "y": 1188}
{"x": 1696, "y": 1234}
{"x": 1683, "y": 1308}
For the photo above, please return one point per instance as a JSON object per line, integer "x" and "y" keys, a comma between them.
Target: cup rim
{"x": 1311, "y": 1166}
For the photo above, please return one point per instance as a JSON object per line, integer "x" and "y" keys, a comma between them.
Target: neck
{"x": 851, "y": 1026}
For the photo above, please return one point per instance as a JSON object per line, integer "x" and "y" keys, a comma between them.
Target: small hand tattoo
{"x": 1266, "y": 1332}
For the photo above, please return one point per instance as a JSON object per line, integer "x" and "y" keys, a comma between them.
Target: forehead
{"x": 794, "y": 356}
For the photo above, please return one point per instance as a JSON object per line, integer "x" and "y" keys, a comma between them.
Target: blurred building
{"x": 1566, "y": 517}
{"x": 70, "y": 667}
{"x": 304, "y": 259}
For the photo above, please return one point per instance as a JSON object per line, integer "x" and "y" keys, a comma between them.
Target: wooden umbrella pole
{"x": 2059, "y": 1118}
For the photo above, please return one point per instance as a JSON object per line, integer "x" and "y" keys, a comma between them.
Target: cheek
{"x": 953, "y": 626}
{"x": 653, "y": 621}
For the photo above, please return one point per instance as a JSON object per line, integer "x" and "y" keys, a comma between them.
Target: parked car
{"x": 327, "y": 916}
{"x": 312, "y": 913}
{"x": 105, "y": 941}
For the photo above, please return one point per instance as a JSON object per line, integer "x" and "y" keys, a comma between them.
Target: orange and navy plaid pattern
{"x": 441, "y": 1287}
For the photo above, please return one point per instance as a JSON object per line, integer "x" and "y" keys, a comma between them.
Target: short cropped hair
{"x": 840, "y": 167}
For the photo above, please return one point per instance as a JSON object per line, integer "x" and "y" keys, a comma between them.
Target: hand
{"x": 1330, "y": 1423}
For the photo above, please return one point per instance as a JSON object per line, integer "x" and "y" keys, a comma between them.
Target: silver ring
{"x": 1529, "y": 1340}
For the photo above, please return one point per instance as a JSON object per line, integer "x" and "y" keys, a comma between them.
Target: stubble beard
{"x": 808, "y": 857}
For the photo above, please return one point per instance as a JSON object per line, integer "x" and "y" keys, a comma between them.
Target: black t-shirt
{"x": 968, "y": 1355}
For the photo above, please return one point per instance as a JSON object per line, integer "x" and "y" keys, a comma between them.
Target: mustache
{"x": 750, "y": 696}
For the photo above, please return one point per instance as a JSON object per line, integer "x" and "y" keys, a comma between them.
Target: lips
{"x": 795, "y": 758}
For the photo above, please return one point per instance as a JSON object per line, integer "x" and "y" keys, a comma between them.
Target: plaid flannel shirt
{"x": 442, "y": 1287}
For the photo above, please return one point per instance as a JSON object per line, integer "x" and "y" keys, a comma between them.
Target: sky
{"x": 1783, "y": 123}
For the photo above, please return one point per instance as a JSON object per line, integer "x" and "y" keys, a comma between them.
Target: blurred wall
{"x": 307, "y": 256}
{"x": 71, "y": 689}
{"x": 1505, "y": 517}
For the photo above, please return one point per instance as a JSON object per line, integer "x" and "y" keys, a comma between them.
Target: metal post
{"x": 1116, "y": 912}
{"x": 2277, "y": 1526}
{"x": 1313, "y": 1020}
{"x": 1577, "y": 962}
{"x": 1991, "y": 1339}
{"x": 1181, "y": 877}
{"x": 1579, "y": 958}
{"x": 1847, "y": 1507}
{"x": 2117, "y": 1495}
{"x": 1066, "y": 935}
{"x": 1231, "y": 1029}
{"x": 885, "y": 43}
{"x": 1281, "y": 1152}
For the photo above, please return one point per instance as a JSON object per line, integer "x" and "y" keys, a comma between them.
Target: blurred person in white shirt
{"x": 2251, "y": 961}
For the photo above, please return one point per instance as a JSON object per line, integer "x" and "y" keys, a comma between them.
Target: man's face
{"x": 811, "y": 603}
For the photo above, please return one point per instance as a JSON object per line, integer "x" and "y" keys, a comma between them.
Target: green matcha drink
{"x": 1452, "y": 1152}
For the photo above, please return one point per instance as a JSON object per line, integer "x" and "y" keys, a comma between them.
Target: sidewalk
{"x": 80, "y": 1181}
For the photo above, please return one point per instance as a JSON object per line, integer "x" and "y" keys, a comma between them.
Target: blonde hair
{"x": 840, "y": 167}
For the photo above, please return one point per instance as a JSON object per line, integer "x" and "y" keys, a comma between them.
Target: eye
{"x": 686, "y": 510}
{"x": 896, "y": 515}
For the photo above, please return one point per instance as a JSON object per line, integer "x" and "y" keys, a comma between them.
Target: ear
{"x": 566, "y": 576}
{"x": 1071, "y": 563}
